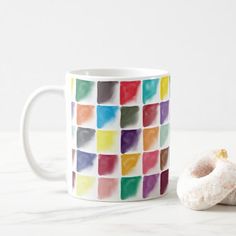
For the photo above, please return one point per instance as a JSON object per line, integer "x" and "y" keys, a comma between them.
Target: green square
{"x": 129, "y": 187}
{"x": 129, "y": 116}
{"x": 150, "y": 90}
{"x": 164, "y": 133}
{"x": 83, "y": 89}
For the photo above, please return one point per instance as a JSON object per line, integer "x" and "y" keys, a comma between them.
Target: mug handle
{"x": 24, "y": 132}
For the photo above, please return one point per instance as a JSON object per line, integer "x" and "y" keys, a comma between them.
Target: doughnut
{"x": 209, "y": 181}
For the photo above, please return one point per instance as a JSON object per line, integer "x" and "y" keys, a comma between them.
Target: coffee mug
{"x": 118, "y": 133}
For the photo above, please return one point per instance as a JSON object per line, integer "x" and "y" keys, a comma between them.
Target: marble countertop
{"x": 32, "y": 206}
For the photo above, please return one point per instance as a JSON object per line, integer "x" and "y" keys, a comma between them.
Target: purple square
{"x": 164, "y": 111}
{"x": 149, "y": 184}
{"x": 129, "y": 140}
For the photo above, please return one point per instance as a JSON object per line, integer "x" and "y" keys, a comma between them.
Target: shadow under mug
{"x": 118, "y": 133}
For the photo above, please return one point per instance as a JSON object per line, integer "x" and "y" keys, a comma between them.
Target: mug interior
{"x": 118, "y": 73}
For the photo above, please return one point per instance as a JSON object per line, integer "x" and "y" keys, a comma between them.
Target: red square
{"x": 106, "y": 164}
{"x": 150, "y": 113}
{"x": 129, "y": 91}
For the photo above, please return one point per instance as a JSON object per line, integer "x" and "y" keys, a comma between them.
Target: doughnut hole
{"x": 203, "y": 168}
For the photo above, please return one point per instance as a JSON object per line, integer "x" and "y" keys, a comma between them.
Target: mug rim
{"x": 117, "y": 73}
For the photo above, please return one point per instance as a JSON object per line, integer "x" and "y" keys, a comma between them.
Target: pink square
{"x": 150, "y": 162}
{"x": 107, "y": 188}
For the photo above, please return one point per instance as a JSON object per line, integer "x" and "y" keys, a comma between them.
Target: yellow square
{"x": 164, "y": 87}
{"x": 84, "y": 184}
{"x": 107, "y": 141}
{"x": 130, "y": 164}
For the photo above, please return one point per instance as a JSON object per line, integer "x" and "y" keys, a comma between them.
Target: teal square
{"x": 150, "y": 90}
{"x": 130, "y": 187}
{"x": 84, "y": 89}
{"x": 164, "y": 134}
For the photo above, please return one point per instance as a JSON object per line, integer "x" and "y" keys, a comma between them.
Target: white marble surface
{"x": 32, "y": 206}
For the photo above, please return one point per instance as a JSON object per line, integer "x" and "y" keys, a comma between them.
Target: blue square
{"x": 107, "y": 116}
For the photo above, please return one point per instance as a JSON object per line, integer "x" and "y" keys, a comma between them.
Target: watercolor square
{"x": 73, "y": 159}
{"x": 71, "y": 87}
{"x": 108, "y": 164}
{"x": 164, "y": 116}
{"x": 73, "y": 136}
{"x": 86, "y": 139}
{"x": 86, "y": 162}
{"x": 164, "y": 181}
{"x": 131, "y": 164}
{"x": 150, "y": 138}
{"x": 131, "y": 188}
{"x": 108, "y": 189}
{"x": 164, "y": 88}
{"x": 130, "y": 140}
{"x": 151, "y": 186}
{"x": 73, "y": 112}
{"x": 86, "y": 186}
{"x": 108, "y": 92}
{"x": 164, "y": 158}
{"x": 130, "y": 117}
{"x": 86, "y": 116}
{"x": 108, "y": 117}
{"x": 150, "y": 115}
{"x": 73, "y": 177}
{"x": 85, "y": 91}
{"x": 107, "y": 141}
{"x": 150, "y": 91}
{"x": 164, "y": 135}
{"x": 151, "y": 162}
{"x": 130, "y": 92}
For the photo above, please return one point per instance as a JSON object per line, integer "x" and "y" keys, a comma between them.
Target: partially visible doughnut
{"x": 209, "y": 181}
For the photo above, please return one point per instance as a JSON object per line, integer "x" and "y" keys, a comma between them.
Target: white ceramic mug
{"x": 118, "y": 133}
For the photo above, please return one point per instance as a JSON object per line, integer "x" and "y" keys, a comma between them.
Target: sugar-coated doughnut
{"x": 209, "y": 181}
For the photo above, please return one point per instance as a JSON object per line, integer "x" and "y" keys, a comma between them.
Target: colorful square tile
{"x": 130, "y": 92}
{"x": 73, "y": 159}
{"x": 164, "y": 112}
{"x": 108, "y": 189}
{"x": 150, "y": 186}
{"x": 131, "y": 164}
{"x": 85, "y": 186}
{"x": 85, "y": 91}
{"x": 86, "y": 139}
{"x": 130, "y": 117}
{"x": 73, "y": 180}
{"x": 108, "y": 117}
{"x": 164, "y": 93}
{"x": 108, "y": 92}
{"x": 85, "y": 116}
{"x": 164, "y": 158}
{"x": 107, "y": 141}
{"x": 86, "y": 162}
{"x": 150, "y": 162}
{"x": 130, "y": 140}
{"x": 150, "y": 115}
{"x": 107, "y": 164}
{"x": 72, "y": 87}
{"x": 73, "y": 136}
{"x": 150, "y": 138}
{"x": 73, "y": 112}
{"x": 164, "y": 135}
{"x": 150, "y": 91}
{"x": 130, "y": 187}
{"x": 164, "y": 181}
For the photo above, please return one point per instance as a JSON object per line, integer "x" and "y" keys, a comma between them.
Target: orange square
{"x": 85, "y": 114}
{"x": 150, "y": 138}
